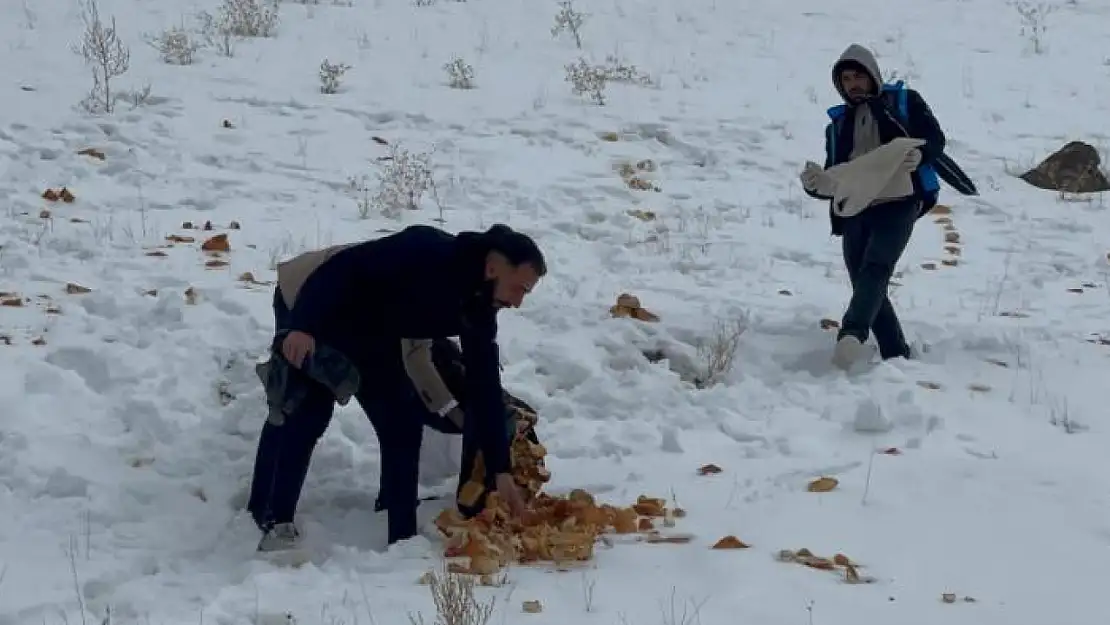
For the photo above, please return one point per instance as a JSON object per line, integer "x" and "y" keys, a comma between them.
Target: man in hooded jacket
{"x": 346, "y": 313}
{"x": 874, "y": 239}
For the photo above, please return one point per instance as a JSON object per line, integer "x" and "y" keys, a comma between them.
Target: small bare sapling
{"x": 569, "y": 20}
{"x": 105, "y": 54}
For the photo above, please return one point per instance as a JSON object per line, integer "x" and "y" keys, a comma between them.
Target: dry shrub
{"x": 717, "y": 352}
{"x": 454, "y": 600}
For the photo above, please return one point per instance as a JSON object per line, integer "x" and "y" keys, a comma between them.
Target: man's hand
{"x": 912, "y": 160}
{"x": 815, "y": 180}
{"x": 296, "y": 346}
{"x": 508, "y": 491}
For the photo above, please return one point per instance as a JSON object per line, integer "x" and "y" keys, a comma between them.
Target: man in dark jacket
{"x": 873, "y": 240}
{"x": 361, "y": 300}
{"x": 443, "y": 376}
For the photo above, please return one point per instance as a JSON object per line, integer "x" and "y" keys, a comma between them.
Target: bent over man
{"x": 437, "y": 369}
{"x": 875, "y": 236}
{"x": 341, "y": 314}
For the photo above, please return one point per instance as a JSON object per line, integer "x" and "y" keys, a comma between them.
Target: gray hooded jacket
{"x": 865, "y": 136}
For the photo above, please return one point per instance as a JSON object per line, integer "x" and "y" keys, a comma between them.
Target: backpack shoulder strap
{"x": 833, "y": 129}
{"x": 836, "y": 112}
{"x": 897, "y": 99}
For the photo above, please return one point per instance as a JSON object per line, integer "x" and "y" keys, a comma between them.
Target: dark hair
{"x": 854, "y": 65}
{"x": 517, "y": 247}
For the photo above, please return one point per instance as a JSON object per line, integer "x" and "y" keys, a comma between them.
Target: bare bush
{"x": 175, "y": 46}
{"x": 1033, "y": 18}
{"x": 105, "y": 54}
{"x": 460, "y": 75}
{"x": 363, "y": 200}
{"x": 591, "y": 80}
{"x": 236, "y": 19}
{"x": 402, "y": 182}
{"x": 216, "y": 33}
{"x": 717, "y": 352}
{"x": 617, "y": 70}
{"x": 588, "y": 80}
{"x": 454, "y": 600}
{"x": 135, "y": 97}
{"x": 690, "y": 613}
{"x": 588, "y": 585}
{"x": 569, "y": 20}
{"x": 251, "y": 18}
{"x": 331, "y": 75}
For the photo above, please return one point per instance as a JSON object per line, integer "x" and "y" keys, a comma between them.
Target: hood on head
{"x": 860, "y": 57}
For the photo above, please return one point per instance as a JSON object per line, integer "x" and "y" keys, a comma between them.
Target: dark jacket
{"x": 921, "y": 125}
{"x": 421, "y": 282}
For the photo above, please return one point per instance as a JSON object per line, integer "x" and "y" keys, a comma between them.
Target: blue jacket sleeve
{"x": 485, "y": 418}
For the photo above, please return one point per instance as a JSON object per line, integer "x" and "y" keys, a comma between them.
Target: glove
{"x": 911, "y": 162}
{"x": 816, "y": 181}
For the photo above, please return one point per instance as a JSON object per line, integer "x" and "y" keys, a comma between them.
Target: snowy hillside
{"x": 129, "y": 407}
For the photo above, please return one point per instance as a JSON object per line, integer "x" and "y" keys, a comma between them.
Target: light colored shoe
{"x": 849, "y": 351}
{"x": 281, "y": 537}
{"x": 283, "y": 546}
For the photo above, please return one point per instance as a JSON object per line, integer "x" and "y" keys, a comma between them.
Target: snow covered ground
{"x": 128, "y": 414}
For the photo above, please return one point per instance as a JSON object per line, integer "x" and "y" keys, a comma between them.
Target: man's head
{"x": 856, "y": 75}
{"x": 856, "y": 83}
{"x": 514, "y": 264}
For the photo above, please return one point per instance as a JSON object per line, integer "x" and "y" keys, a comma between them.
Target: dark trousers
{"x": 285, "y": 451}
{"x": 873, "y": 241}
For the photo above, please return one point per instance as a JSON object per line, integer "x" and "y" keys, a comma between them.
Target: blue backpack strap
{"x": 897, "y": 100}
{"x": 836, "y": 114}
